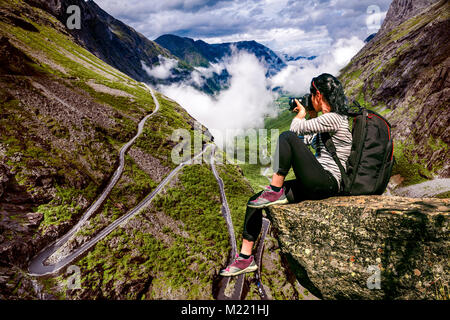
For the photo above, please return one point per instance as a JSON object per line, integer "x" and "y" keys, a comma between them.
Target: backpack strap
{"x": 331, "y": 148}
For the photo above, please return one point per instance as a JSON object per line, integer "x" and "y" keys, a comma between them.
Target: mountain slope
{"x": 403, "y": 73}
{"x": 111, "y": 40}
{"x": 200, "y": 53}
{"x": 64, "y": 115}
{"x": 193, "y": 52}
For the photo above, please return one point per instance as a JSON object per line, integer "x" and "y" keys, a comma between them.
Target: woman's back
{"x": 338, "y": 127}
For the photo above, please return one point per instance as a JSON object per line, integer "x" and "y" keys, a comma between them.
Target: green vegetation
{"x": 282, "y": 122}
{"x": 132, "y": 106}
{"x": 185, "y": 261}
{"x": 279, "y": 124}
{"x": 444, "y": 195}
{"x": 253, "y": 173}
{"x": 355, "y": 74}
{"x": 419, "y": 22}
{"x": 64, "y": 207}
{"x": 408, "y": 165}
{"x": 157, "y": 136}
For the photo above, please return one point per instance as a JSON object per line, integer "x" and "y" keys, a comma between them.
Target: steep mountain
{"x": 403, "y": 72}
{"x": 193, "y": 52}
{"x": 200, "y": 53}
{"x": 111, "y": 40}
{"x": 64, "y": 117}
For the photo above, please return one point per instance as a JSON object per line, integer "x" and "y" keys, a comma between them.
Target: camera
{"x": 305, "y": 101}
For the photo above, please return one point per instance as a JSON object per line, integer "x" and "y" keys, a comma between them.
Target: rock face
{"x": 109, "y": 39}
{"x": 403, "y": 73}
{"x": 369, "y": 247}
{"x": 402, "y": 10}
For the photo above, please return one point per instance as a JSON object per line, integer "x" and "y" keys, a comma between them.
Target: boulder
{"x": 368, "y": 247}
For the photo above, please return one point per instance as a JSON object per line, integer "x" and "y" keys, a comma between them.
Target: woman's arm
{"x": 307, "y": 138}
{"x": 328, "y": 122}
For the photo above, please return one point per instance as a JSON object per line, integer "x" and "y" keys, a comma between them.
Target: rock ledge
{"x": 369, "y": 247}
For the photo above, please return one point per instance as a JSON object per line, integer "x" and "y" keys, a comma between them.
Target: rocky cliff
{"x": 368, "y": 247}
{"x": 404, "y": 74}
{"x": 112, "y": 41}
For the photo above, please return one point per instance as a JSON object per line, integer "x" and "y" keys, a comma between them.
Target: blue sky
{"x": 296, "y": 27}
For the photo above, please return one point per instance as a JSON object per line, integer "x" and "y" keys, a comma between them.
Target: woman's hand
{"x": 301, "y": 111}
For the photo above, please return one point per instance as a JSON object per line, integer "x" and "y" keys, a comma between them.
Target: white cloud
{"x": 163, "y": 70}
{"x": 200, "y": 74}
{"x": 296, "y": 77}
{"x": 300, "y": 27}
{"x": 243, "y": 105}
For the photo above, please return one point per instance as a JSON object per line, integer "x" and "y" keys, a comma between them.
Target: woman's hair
{"x": 332, "y": 90}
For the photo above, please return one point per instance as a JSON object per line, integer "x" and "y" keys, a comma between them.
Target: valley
{"x": 87, "y": 177}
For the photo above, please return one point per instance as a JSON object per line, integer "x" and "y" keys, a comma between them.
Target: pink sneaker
{"x": 239, "y": 266}
{"x": 268, "y": 198}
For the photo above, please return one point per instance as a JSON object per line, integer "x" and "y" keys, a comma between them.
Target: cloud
{"x": 243, "y": 105}
{"x": 163, "y": 70}
{"x": 300, "y": 27}
{"x": 201, "y": 74}
{"x": 296, "y": 77}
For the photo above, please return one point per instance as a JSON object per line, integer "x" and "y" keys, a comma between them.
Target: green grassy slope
{"x": 259, "y": 175}
{"x": 64, "y": 115}
{"x": 63, "y": 120}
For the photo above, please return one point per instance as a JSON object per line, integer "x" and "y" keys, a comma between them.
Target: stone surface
{"x": 343, "y": 242}
{"x": 402, "y": 10}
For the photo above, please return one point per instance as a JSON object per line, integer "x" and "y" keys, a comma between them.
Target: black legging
{"x": 313, "y": 181}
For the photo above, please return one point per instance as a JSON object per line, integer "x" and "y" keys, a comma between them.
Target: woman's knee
{"x": 290, "y": 137}
{"x": 287, "y": 135}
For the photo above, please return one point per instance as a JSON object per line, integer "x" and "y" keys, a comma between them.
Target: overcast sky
{"x": 296, "y": 27}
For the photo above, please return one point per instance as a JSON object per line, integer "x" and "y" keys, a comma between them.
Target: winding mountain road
{"x": 425, "y": 189}
{"x": 227, "y": 215}
{"x": 239, "y": 285}
{"x": 37, "y": 265}
{"x": 258, "y": 258}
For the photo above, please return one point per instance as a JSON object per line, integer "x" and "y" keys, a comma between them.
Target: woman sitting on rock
{"x": 317, "y": 176}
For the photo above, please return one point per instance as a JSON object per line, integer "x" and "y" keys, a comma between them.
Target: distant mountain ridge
{"x": 200, "y": 53}
{"x": 111, "y": 40}
{"x": 289, "y": 58}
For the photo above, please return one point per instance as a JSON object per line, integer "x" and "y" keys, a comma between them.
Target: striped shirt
{"x": 337, "y": 125}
